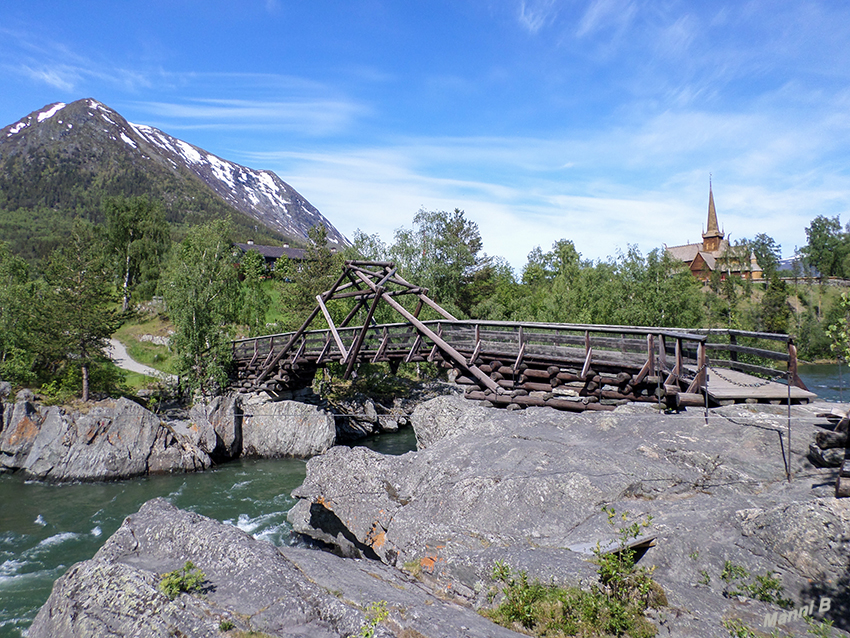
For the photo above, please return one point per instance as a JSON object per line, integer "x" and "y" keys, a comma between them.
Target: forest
{"x": 58, "y": 312}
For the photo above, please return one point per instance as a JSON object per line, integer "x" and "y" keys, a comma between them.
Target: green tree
{"x": 17, "y": 305}
{"x": 441, "y": 252}
{"x": 302, "y": 280}
{"x": 78, "y": 319}
{"x": 138, "y": 239}
{"x": 201, "y": 292}
{"x": 255, "y": 300}
{"x": 826, "y": 246}
{"x": 773, "y": 314}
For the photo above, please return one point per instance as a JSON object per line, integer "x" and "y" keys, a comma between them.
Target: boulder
{"x": 272, "y": 429}
{"x": 112, "y": 439}
{"x": 221, "y": 421}
{"x": 249, "y": 584}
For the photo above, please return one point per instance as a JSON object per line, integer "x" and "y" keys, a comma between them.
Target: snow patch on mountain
{"x": 53, "y": 110}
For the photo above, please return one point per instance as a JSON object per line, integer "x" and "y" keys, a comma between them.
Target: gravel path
{"x": 118, "y": 353}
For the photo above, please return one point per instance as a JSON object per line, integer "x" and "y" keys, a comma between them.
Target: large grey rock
{"x": 527, "y": 487}
{"x": 113, "y": 439}
{"x": 221, "y": 422}
{"x": 273, "y": 429}
{"x": 249, "y": 583}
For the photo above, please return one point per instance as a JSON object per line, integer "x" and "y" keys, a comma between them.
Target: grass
{"x": 189, "y": 579}
{"x": 156, "y": 356}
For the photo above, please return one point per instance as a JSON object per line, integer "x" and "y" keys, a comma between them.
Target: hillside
{"x": 60, "y": 161}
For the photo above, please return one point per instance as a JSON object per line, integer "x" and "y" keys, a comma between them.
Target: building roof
{"x": 712, "y": 230}
{"x": 274, "y": 252}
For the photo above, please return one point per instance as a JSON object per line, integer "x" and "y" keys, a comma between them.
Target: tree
{"x": 138, "y": 239}
{"x": 302, "y": 280}
{"x": 442, "y": 253}
{"x": 77, "y": 313}
{"x": 17, "y": 355}
{"x": 774, "y": 313}
{"x": 254, "y": 299}
{"x": 826, "y": 246}
{"x": 201, "y": 292}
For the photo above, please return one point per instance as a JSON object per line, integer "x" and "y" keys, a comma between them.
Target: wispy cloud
{"x": 533, "y": 15}
{"x": 307, "y": 116}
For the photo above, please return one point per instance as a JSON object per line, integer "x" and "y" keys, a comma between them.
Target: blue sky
{"x": 597, "y": 121}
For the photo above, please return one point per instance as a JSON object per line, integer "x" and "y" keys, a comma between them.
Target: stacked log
{"x": 289, "y": 376}
{"x": 564, "y": 388}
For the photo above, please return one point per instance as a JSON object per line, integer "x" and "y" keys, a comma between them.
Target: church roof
{"x": 712, "y": 229}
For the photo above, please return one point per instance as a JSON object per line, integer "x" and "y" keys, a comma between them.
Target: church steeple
{"x": 712, "y": 236}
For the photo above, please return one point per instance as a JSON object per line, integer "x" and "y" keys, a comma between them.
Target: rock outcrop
{"x": 119, "y": 438}
{"x": 527, "y": 488}
{"x": 112, "y": 439}
{"x": 285, "y": 428}
{"x": 250, "y": 586}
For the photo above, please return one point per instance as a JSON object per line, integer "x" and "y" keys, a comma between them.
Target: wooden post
{"x": 358, "y": 341}
{"x": 332, "y": 328}
{"x": 444, "y": 346}
{"x": 793, "y": 377}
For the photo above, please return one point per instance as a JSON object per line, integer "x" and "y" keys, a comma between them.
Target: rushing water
{"x": 44, "y": 528}
{"x": 829, "y": 381}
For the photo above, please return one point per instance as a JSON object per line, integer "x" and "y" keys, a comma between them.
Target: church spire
{"x": 712, "y": 236}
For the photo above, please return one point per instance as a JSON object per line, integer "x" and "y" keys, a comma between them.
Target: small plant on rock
{"x": 376, "y": 613}
{"x": 188, "y": 579}
{"x": 614, "y": 607}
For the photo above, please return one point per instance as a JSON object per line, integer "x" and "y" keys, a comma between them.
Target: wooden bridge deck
{"x": 731, "y": 385}
{"x": 565, "y": 366}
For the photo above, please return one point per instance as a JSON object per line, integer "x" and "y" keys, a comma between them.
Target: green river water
{"x": 44, "y": 528}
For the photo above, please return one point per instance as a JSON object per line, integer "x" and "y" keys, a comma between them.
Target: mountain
{"x": 60, "y": 161}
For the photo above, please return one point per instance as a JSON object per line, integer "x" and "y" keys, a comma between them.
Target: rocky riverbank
{"x": 119, "y": 438}
{"x": 525, "y": 488}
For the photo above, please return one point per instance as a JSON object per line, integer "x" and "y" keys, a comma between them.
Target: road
{"x": 118, "y": 353}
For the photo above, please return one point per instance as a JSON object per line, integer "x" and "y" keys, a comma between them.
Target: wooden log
{"x": 690, "y": 400}
{"x": 462, "y": 380}
{"x": 827, "y": 440}
{"x": 553, "y": 370}
{"x": 496, "y": 376}
{"x": 570, "y": 406}
{"x": 533, "y": 386}
{"x": 610, "y": 394}
{"x": 567, "y": 377}
{"x": 485, "y": 368}
{"x": 842, "y": 487}
{"x": 495, "y": 365}
{"x": 533, "y": 373}
{"x": 528, "y": 400}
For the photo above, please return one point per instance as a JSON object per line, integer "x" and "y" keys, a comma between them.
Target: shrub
{"x": 614, "y": 607}
{"x": 188, "y": 579}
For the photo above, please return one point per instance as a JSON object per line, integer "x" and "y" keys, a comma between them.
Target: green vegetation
{"x": 613, "y": 607}
{"x": 188, "y": 579}
{"x": 376, "y": 613}
{"x": 201, "y": 291}
{"x": 764, "y": 587}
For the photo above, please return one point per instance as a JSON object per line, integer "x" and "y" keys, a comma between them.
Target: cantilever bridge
{"x": 564, "y": 366}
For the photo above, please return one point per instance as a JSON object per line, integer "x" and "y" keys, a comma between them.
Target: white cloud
{"x": 310, "y": 116}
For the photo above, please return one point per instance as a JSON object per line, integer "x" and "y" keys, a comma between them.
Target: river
{"x": 44, "y": 528}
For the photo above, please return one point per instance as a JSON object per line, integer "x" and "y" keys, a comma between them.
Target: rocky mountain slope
{"x": 65, "y": 157}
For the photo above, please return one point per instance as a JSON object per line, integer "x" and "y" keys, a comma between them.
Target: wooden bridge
{"x": 564, "y": 366}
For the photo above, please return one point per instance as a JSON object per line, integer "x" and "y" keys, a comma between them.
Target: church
{"x": 714, "y": 253}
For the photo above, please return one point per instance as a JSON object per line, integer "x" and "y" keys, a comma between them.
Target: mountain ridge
{"x": 59, "y": 161}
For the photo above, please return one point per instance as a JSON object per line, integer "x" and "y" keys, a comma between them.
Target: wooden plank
{"x": 332, "y": 328}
